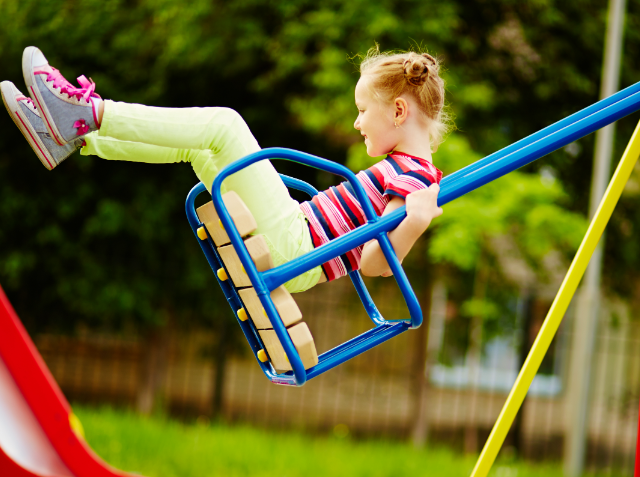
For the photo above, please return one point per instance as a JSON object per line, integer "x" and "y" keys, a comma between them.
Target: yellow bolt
{"x": 76, "y": 425}
{"x": 286, "y": 357}
{"x": 245, "y": 272}
{"x": 265, "y": 313}
{"x": 242, "y": 314}
{"x": 202, "y": 233}
{"x": 220, "y": 224}
{"x": 222, "y": 274}
{"x": 262, "y": 356}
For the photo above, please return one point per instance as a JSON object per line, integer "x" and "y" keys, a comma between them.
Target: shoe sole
{"x": 34, "y": 92}
{"x": 15, "y": 111}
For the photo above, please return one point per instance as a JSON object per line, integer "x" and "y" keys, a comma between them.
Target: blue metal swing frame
{"x": 453, "y": 186}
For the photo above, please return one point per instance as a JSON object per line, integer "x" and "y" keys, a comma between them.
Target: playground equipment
{"x": 455, "y": 185}
{"x": 39, "y": 434}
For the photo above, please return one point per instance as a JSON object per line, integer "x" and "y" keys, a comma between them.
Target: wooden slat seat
{"x": 288, "y": 310}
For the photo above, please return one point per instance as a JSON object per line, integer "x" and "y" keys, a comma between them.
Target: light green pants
{"x": 209, "y": 138}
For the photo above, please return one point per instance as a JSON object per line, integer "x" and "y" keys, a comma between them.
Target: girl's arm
{"x": 422, "y": 207}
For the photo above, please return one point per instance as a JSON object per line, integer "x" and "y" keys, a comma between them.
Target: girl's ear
{"x": 402, "y": 110}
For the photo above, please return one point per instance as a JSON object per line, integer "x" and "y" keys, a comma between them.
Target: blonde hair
{"x": 417, "y": 74}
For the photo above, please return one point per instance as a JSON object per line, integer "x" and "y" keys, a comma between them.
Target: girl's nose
{"x": 356, "y": 124}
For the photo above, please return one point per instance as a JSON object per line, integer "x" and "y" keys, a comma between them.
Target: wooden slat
{"x": 259, "y": 251}
{"x": 285, "y": 304}
{"x": 242, "y": 218}
{"x": 302, "y": 340}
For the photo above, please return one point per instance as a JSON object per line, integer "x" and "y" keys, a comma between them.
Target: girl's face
{"x": 375, "y": 120}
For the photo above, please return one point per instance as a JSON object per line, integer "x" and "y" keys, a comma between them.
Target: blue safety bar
{"x": 453, "y": 186}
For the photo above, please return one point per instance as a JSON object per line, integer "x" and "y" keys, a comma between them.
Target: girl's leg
{"x": 70, "y": 113}
{"x": 226, "y": 137}
{"x": 287, "y": 239}
{"x": 219, "y": 130}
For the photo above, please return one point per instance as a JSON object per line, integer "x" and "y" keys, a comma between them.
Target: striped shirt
{"x": 336, "y": 211}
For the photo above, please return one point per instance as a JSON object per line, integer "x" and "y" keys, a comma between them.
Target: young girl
{"x": 400, "y": 99}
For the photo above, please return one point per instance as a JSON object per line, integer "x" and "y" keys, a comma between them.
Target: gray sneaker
{"x": 67, "y": 110}
{"x": 27, "y": 118}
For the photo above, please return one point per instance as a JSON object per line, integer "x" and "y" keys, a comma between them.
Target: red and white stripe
{"x": 338, "y": 220}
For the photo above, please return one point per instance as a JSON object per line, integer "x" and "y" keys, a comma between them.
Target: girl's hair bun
{"x": 417, "y": 68}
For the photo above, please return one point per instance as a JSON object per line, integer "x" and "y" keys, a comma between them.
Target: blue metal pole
{"x": 507, "y": 160}
{"x": 569, "y": 120}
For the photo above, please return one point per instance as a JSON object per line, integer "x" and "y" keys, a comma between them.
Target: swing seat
{"x": 265, "y": 310}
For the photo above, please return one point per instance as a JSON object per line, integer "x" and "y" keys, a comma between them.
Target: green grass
{"x": 159, "y": 447}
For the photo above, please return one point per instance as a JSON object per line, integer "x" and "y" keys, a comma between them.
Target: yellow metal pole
{"x": 559, "y": 307}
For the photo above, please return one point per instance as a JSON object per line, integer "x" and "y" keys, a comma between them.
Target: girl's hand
{"x": 422, "y": 206}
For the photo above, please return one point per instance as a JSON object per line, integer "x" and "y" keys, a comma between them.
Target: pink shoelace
{"x": 86, "y": 90}
{"x": 28, "y": 100}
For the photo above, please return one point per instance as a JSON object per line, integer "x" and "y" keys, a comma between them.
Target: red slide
{"x": 36, "y": 434}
